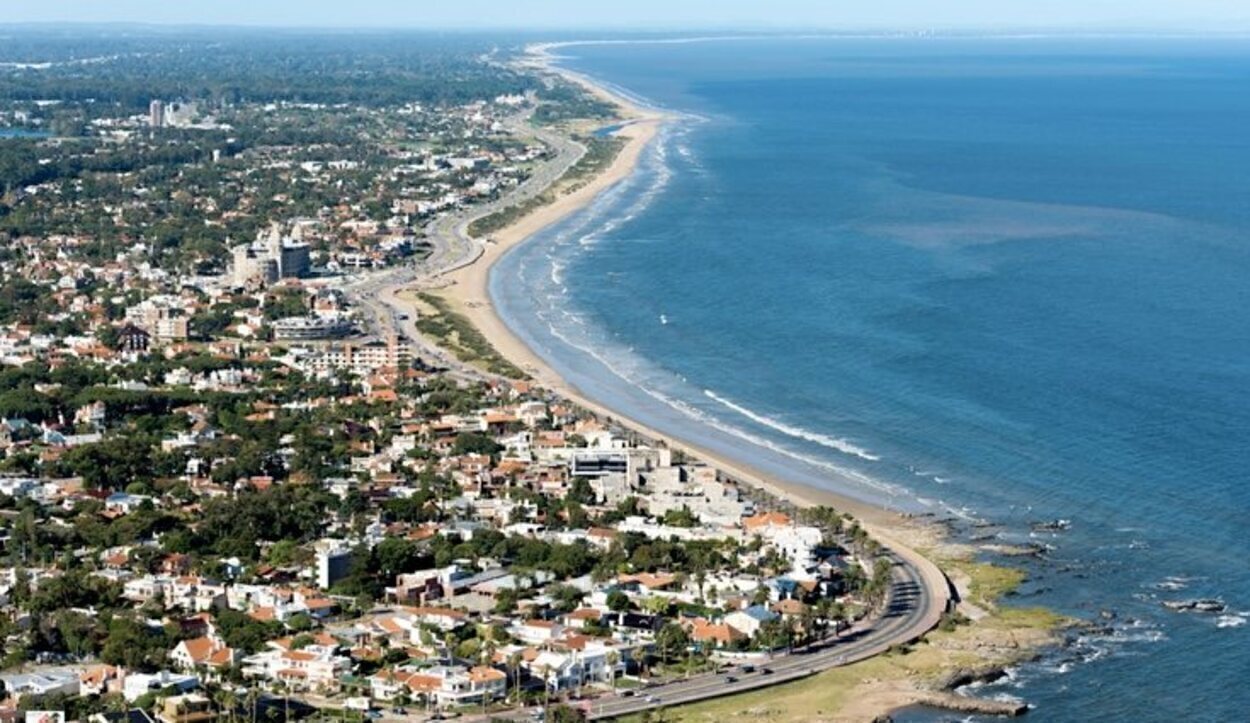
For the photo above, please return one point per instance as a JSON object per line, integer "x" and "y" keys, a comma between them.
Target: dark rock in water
{"x": 883, "y": 719}
{"x": 1204, "y": 605}
{"x": 1052, "y": 526}
{"x": 969, "y": 704}
{"x": 967, "y": 676}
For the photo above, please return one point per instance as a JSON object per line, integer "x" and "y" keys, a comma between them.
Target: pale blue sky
{"x": 763, "y": 14}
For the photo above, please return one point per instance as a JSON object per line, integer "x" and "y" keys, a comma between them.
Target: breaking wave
{"x": 824, "y": 440}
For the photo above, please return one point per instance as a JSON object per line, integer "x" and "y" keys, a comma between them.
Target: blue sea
{"x": 1002, "y": 282}
{"x": 22, "y": 133}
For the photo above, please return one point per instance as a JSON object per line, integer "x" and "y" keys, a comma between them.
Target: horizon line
{"x": 752, "y": 31}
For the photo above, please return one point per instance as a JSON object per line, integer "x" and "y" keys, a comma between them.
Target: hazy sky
{"x": 1091, "y": 14}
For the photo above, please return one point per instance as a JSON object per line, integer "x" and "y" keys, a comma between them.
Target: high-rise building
{"x": 334, "y": 562}
{"x": 156, "y": 114}
{"x": 252, "y": 266}
{"x": 294, "y": 259}
{"x": 271, "y": 257}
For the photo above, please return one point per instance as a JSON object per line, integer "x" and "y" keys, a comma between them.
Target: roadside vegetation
{"x": 567, "y": 102}
{"x": 454, "y": 332}
{"x": 911, "y": 674}
{"x": 600, "y": 152}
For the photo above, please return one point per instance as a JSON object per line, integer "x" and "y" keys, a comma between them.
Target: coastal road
{"x": 907, "y": 615}
{"x": 911, "y": 609}
{"x": 452, "y": 248}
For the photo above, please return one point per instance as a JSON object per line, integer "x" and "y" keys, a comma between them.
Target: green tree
{"x": 475, "y": 443}
{"x": 672, "y": 641}
{"x": 618, "y": 601}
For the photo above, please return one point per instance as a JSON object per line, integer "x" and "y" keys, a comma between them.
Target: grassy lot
{"x": 600, "y": 152}
{"x": 454, "y": 332}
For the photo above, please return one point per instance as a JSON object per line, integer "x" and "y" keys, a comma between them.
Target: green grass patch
{"x": 600, "y": 152}
{"x": 457, "y": 334}
{"x": 1004, "y": 637}
{"x": 990, "y": 583}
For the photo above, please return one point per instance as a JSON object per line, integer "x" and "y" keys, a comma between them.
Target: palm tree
{"x": 823, "y": 607}
{"x": 613, "y": 659}
{"x": 544, "y": 672}
{"x": 230, "y": 701}
{"x": 487, "y": 656}
{"x": 487, "y": 652}
{"x": 807, "y": 623}
{"x": 514, "y": 667}
{"x": 449, "y": 640}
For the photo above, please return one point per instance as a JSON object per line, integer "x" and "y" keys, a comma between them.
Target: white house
{"x": 139, "y": 684}
{"x": 537, "y": 631}
{"x": 443, "y": 685}
{"x": 750, "y": 620}
{"x": 46, "y": 682}
{"x": 315, "y": 667}
{"x": 205, "y": 652}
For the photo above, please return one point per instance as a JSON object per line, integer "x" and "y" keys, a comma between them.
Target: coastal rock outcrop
{"x": 967, "y": 676}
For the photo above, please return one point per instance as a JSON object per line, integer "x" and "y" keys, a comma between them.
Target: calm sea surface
{"x": 1003, "y": 282}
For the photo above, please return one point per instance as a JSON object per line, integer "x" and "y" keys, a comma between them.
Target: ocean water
{"x": 1002, "y": 282}
{"x": 22, "y": 133}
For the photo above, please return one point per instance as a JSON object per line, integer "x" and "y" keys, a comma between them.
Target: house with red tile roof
{"x": 718, "y": 634}
{"x": 204, "y": 652}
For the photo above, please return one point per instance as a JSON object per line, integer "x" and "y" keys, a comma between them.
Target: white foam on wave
{"x": 613, "y": 209}
{"x": 1231, "y": 620}
{"x": 557, "y": 274}
{"x": 604, "y": 211}
{"x": 965, "y": 513}
{"x": 824, "y": 440}
{"x": 595, "y": 351}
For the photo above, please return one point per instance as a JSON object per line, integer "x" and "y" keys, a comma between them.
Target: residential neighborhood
{"x": 225, "y": 488}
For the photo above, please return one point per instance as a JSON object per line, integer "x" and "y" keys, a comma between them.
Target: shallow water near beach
{"x": 1001, "y": 282}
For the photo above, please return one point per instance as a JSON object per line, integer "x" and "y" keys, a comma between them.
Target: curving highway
{"x": 911, "y": 610}
{"x": 452, "y": 248}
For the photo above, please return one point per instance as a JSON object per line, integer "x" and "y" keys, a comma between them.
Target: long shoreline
{"x": 468, "y": 290}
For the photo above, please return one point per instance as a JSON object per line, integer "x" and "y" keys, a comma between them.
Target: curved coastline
{"x": 468, "y": 289}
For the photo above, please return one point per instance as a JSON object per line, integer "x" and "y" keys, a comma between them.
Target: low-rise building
{"x": 313, "y": 668}
{"x": 208, "y": 652}
{"x": 442, "y": 685}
